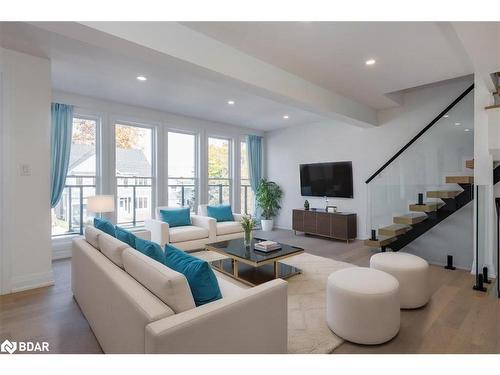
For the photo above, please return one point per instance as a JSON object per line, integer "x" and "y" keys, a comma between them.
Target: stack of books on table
{"x": 267, "y": 246}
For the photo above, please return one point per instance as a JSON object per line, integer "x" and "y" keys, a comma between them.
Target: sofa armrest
{"x": 254, "y": 321}
{"x": 237, "y": 217}
{"x": 159, "y": 231}
{"x": 207, "y": 223}
{"x": 144, "y": 234}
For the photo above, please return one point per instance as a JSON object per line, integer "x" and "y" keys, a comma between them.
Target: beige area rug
{"x": 307, "y": 329}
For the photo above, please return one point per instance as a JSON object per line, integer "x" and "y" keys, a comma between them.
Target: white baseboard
{"x": 61, "y": 253}
{"x": 61, "y": 248}
{"x": 37, "y": 280}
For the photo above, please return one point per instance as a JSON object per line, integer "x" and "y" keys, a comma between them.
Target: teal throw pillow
{"x": 105, "y": 226}
{"x": 200, "y": 276}
{"x": 176, "y": 217}
{"x": 151, "y": 249}
{"x": 125, "y": 236}
{"x": 221, "y": 212}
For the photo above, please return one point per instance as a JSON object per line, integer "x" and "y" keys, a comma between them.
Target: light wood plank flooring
{"x": 457, "y": 320}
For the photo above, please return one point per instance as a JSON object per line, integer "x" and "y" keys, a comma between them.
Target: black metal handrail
{"x": 436, "y": 119}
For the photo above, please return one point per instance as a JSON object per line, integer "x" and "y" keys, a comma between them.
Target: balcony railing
{"x": 246, "y": 198}
{"x": 70, "y": 214}
{"x": 134, "y": 199}
{"x": 182, "y": 192}
{"x": 219, "y": 190}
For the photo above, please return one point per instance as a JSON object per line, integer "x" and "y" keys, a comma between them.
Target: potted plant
{"x": 268, "y": 199}
{"x": 248, "y": 224}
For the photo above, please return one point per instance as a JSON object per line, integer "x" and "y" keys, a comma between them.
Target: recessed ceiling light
{"x": 446, "y": 116}
{"x": 141, "y": 78}
{"x": 370, "y": 62}
{"x": 466, "y": 130}
{"x": 285, "y": 117}
{"x": 457, "y": 124}
{"x": 231, "y": 102}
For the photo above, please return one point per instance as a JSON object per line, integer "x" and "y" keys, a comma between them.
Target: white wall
{"x": 25, "y": 140}
{"x": 367, "y": 148}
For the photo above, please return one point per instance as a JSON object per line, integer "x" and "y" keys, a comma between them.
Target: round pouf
{"x": 412, "y": 273}
{"x": 362, "y": 305}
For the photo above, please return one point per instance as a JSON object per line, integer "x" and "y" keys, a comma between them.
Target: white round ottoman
{"x": 362, "y": 305}
{"x": 412, "y": 273}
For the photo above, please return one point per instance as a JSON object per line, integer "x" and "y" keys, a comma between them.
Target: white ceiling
{"x": 333, "y": 54}
{"x": 329, "y": 55}
{"x": 172, "y": 86}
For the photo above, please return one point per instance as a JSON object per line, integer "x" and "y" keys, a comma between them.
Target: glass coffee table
{"x": 251, "y": 266}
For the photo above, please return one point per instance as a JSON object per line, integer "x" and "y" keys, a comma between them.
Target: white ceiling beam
{"x": 264, "y": 79}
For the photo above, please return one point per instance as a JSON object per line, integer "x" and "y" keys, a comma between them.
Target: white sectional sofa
{"x": 225, "y": 230}
{"x": 135, "y": 304}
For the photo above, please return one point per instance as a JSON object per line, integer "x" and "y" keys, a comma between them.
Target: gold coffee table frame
{"x": 235, "y": 260}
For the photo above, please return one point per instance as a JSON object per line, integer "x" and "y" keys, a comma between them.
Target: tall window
{"x": 134, "y": 174}
{"x": 219, "y": 171}
{"x": 70, "y": 214}
{"x": 247, "y": 200}
{"x": 182, "y": 170}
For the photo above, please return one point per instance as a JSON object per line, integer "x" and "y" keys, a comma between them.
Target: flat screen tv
{"x": 326, "y": 179}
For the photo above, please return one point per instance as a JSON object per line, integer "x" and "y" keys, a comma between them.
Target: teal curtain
{"x": 60, "y": 144}
{"x": 254, "y": 150}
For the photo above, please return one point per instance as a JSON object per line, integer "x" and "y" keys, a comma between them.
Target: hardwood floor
{"x": 457, "y": 319}
{"x": 48, "y": 314}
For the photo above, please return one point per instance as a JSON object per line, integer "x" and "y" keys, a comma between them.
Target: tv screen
{"x": 326, "y": 179}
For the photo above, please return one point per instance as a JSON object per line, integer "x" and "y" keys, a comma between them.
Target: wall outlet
{"x": 25, "y": 170}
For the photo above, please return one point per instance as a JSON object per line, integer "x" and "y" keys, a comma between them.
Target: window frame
{"x": 231, "y": 168}
{"x": 197, "y": 170}
{"x": 80, "y": 113}
{"x": 154, "y": 127}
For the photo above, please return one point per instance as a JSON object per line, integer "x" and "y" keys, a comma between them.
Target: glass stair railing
{"x": 426, "y": 181}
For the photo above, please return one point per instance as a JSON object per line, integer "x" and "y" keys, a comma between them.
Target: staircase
{"x": 423, "y": 215}
{"x": 496, "y": 94}
{"x": 419, "y": 165}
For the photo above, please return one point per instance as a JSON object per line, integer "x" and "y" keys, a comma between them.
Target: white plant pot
{"x": 267, "y": 225}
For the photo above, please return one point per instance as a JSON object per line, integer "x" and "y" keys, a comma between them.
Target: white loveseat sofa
{"x": 135, "y": 304}
{"x": 225, "y": 230}
{"x": 189, "y": 237}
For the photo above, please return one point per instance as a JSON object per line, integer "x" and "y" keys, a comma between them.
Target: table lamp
{"x": 100, "y": 204}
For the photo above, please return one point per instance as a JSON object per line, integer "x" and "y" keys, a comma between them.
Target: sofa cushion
{"x": 168, "y": 285}
{"x": 125, "y": 236}
{"x": 112, "y": 248}
{"x": 228, "y": 227}
{"x": 228, "y": 288}
{"x": 91, "y": 236}
{"x": 150, "y": 249}
{"x": 176, "y": 217}
{"x": 105, "y": 226}
{"x": 187, "y": 233}
{"x": 222, "y": 212}
{"x": 199, "y": 274}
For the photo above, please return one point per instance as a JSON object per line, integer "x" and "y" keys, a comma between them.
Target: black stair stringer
{"x": 496, "y": 174}
{"x": 451, "y": 205}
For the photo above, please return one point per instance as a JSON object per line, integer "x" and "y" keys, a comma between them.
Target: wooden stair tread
{"x": 492, "y": 106}
{"x": 442, "y": 193}
{"x": 411, "y": 218}
{"x": 459, "y": 179}
{"x": 381, "y": 241}
{"x": 426, "y": 207}
{"x": 469, "y": 164}
{"x": 394, "y": 230}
